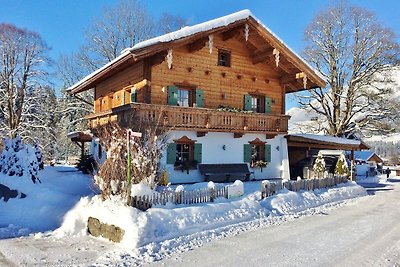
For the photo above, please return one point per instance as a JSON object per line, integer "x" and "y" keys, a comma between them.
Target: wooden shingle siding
{"x": 222, "y": 85}
{"x": 128, "y": 76}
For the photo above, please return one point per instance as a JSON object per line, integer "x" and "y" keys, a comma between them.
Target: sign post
{"x": 129, "y": 135}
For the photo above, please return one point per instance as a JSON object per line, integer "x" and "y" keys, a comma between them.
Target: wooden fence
{"x": 208, "y": 195}
{"x": 270, "y": 188}
{"x": 182, "y": 197}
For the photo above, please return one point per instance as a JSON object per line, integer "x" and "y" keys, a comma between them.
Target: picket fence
{"x": 270, "y": 188}
{"x": 208, "y": 195}
{"x": 181, "y": 197}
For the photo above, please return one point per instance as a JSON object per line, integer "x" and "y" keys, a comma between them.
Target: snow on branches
{"x": 18, "y": 159}
{"x": 319, "y": 166}
{"x": 112, "y": 178}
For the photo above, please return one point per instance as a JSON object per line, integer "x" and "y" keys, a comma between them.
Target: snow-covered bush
{"x": 145, "y": 152}
{"x": 341, "y": 166}
{"x": 319, "y": 166}
{"x": 19, "y": 159}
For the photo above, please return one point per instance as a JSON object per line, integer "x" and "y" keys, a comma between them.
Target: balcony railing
{"x": 196, "y": 119}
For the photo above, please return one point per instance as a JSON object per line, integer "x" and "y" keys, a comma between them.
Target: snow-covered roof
{"x": 328, "y": 139}
{"x": 189, "y": 31}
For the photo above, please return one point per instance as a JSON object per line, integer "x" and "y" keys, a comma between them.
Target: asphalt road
{"x": 365, "y": 232}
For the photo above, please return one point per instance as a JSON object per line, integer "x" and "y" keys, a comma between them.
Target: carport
{"x": 301, "y": 146}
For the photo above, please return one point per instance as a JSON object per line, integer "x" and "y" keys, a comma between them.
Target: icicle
{"x": 305, "y": 81}
{"x": 246, "y": 31}
{"x": 169, "y": 58}
{"x": 276, "y": 53}
{"x": 210, "y": 42}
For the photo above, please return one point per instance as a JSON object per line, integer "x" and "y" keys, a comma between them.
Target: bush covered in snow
{"x": 18, "y": 159}
{"x": 146, "y": 152}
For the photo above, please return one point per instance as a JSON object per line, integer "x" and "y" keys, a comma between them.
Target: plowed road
{"x": 363, "y": 233}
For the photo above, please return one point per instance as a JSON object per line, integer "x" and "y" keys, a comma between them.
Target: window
{"x": 257, "y": 150}
{"x": 184, "y": 152}
{"x": 224, "y": 58}
{"x": 184, "y": 98}
{"x": 257, "y": 104}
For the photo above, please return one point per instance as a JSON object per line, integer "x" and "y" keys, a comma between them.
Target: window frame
{"x": 259, "y": 146}
{"x": 189, "y": 97}
{"x": 260, "y": 108}
{"x": 224, "y": 62}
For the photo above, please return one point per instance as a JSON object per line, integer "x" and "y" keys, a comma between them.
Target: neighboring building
{"x": 367, "y": 155}
{"x": 220, "y": 86}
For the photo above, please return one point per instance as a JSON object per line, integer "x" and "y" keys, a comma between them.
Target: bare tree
{"x": 169, "y": 23}
{"x": 353, "y": 51}
{"x": 118, "y": 28}
{"x": 23, "y": 56}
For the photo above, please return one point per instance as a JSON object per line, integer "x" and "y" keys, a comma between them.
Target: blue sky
{"x": 62, "y": 23}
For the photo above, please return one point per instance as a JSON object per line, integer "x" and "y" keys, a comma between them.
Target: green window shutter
{"x": 199, "y": 98}
{"x": 172, "y": 95}
{"x": 133, "y": 95}
{"x": 267, "y": 150}
{"x": 171, "y": 153}
{"x": 197, "y": 153}
{"x": 247, "y": 103}
{"x": 267, "y": 104}
{"x": 247, "y": 153}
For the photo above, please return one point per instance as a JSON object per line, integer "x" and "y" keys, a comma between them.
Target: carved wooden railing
{"x": 198, "y": 119}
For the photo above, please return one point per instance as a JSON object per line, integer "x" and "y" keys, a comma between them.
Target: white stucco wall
{"x": 213, "y": 152}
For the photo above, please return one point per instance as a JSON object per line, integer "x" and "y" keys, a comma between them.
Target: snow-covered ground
{"x": 162, "y": 231}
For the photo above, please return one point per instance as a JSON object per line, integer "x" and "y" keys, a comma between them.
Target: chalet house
{"x": 219, "y": 85}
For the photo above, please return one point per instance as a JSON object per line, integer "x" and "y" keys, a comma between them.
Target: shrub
{"x": 18, "y": 159}
{"x": 145, "y": 152}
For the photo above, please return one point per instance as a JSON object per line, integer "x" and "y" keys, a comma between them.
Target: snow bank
{"x": 46, "y": 203}
{"x": 288, "y": 202}
{"x": 168, "y": 222}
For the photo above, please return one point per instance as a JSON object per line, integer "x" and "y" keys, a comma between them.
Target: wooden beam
{"x": 262, "y": 56}
{"x": 231, "y": 33}
{"x": 270, "y": 136}
{"x": 237, "y": 135}
{"x": 201, "y": 134}
{"x": 197, "y": 45}
{"x": 158, "y": 58}
{"x": 286, "y": 79}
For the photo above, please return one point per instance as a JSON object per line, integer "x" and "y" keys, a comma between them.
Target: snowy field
{"x": 51, "y": 221}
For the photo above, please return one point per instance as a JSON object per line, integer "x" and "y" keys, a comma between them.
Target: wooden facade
{"x": 259, "y": 71}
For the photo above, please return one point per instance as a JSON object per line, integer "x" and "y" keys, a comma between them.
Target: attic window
{"x": 224, "y": 58}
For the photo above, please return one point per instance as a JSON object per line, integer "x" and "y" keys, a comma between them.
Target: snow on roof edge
{"x": 329, "y": 139}
{"x": 190, "y": 30}
{"x": 123, "y": 54}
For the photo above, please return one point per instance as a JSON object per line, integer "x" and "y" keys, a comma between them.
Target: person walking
{"x": 387, "y": 172}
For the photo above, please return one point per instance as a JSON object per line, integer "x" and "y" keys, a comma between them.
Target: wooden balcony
{"x": 195, "y": 119}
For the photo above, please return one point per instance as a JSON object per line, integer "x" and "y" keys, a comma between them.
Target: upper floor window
{"x": 184, "y": 98}
{"x": 224, "y": 58}
{"x": 257, "y": 104}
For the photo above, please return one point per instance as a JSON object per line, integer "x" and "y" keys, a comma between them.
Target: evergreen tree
{"x": 319, "y": 166}
{"x": 341, "y": 166}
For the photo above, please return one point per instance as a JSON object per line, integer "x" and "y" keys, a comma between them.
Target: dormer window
{"x": 224, "y": 58}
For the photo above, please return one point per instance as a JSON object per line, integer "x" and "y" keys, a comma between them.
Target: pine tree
{"x": 319, "y": 166}
{"x": 341, "y": 166}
